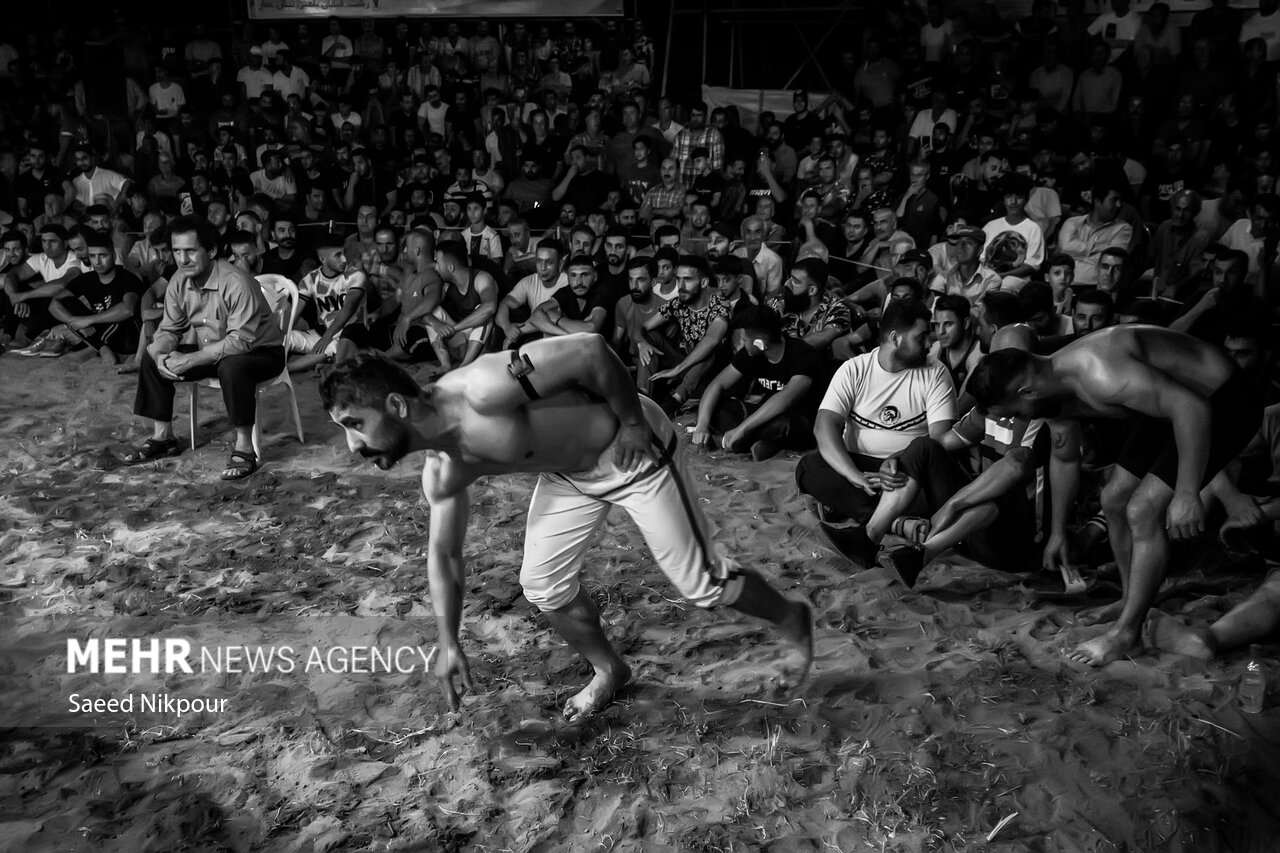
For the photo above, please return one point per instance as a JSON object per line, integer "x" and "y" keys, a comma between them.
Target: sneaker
{"x": 35, "y": 348}
{"x": 54, "y": 348}
{"x": 764, "y": 449}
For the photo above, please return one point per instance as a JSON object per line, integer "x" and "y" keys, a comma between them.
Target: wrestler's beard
{"x": 397, "y": 447}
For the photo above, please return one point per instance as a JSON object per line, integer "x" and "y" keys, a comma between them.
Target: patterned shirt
{"x": 659, "y": 197}
{"x": 689, "y": 139}
{"x": 832, "y": 313}
{"x": 694, "y": 322}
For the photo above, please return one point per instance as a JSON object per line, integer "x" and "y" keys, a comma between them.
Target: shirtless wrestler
{"x": 1193, "y": 411}
{"x": 565, "y": 409}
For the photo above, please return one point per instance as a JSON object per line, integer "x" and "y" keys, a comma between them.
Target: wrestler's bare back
{"x": 1109, "y": 365}
{"x": 562, "y": 433}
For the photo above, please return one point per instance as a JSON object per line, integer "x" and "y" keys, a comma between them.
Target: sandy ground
{"x": 939, "y": 720}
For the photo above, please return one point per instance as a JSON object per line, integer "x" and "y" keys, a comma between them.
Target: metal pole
{"x": 666, "y": 56}
{"x": 733, "y": 46}
{"x": 813, "y": 51}
{"x": 705, "y": 6}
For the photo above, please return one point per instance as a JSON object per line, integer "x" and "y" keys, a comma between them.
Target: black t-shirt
{"x": 574, "y": 309}
{"x": 97, "y": 296}
{"x": 587, "y": 192}
{"x": 273, "y": 264}
{"x": 1162, "y": 185}
{"x": 767, "y": 378}
{"x": 706, "y": 186}
{"x": 28, "y": 186}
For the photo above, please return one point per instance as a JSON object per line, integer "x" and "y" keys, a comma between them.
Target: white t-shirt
{"x": 884, "y": 412}
{"x": 484, "y": 244}
{"x": 530, "y": 292}
{"x": 254, "y": 81}
{"x": 1044, "y": 205}
{"x": 328, "y": 293}
{"x": 277, "y": 188}
{"x": 922, "y": 127}
{"x": 293, "y": 83}
{"x": 433, "y": 116}
{"x": 167, "y": 99}
{"x": 1117, "y": 31}
{"x": 1265, "y": 27}
{"x": 102, "y": 182}
{"x": 934, "y": 40}
{"x": 49, "y": 271}
{"x": 1030, "y": 231}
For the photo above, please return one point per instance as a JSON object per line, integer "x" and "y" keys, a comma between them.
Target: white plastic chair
{"x": 282, "y": 295}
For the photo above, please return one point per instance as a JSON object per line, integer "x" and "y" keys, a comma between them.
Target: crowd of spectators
{"x": 829, "y": 275}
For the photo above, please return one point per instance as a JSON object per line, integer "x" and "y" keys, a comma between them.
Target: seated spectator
{"x": 809, "y": 312}
{"x": 1040, "y": 312}
{"x": 969, "y": 277}
{"x": 875, "y": 406}
{"x": 461, "y": 320}
{"x": 1014, "y": 242}
{"x": 1094, "y": 310}
{"x": 238, "y": 341}
{"x": 575, "y": 308}
{"x": 1085, "y": 237}
{"x": 699, "y": 319}
{"x": 1249, "y": 234}
{"x": 955, "y": 339}
{"x": 96, "y": 310}
{"x": 331, "y": 324}
{"x": 630, "y": 315}
{"x": 24, "y": 306}
{"x": 765, "y": 261}
{"x": 1178, "y": 246}
{"x": 778, "y": 374}
{"x": 1210, "y": 314}
{"x": 1248, "y": 343}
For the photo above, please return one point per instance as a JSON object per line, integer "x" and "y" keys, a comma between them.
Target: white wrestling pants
{"x": 567, "y": 510}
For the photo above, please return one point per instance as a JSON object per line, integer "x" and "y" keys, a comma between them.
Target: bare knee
{"x": 1144, "y": 515}
{"x": 1115, "y": 497}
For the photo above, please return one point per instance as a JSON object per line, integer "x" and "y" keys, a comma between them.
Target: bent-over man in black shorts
{"x": 1193, "y": 412}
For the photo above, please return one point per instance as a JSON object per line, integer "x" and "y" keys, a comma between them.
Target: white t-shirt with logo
{"x": 884, "y": 412}
{"x": 530, "y": 292}
{"x": 330, "y": 292}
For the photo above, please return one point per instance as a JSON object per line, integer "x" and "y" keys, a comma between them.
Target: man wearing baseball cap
{"x": 969, "y": 278}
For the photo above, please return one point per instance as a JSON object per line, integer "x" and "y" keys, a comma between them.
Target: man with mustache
{"x": 1193, "y": 411}
{"x": 285, "y": 259}
{"x": 808, "y": 311}
{"x": 237, "y": 340}
{"x": 509, "y": 413}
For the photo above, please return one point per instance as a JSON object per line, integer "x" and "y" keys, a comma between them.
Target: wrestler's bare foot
{"x": 1100, "y": 651}
{"x": 598, "y": 693}
{"x": 1171, "y": 635}
{"x": 796, "y": 630}
{"x": 1098, "y": 615}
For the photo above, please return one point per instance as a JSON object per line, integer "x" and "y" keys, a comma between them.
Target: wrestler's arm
{"x": 1064, "y": 483}
{"x": 571, "y": 362}
{"x": 446, "y": 571}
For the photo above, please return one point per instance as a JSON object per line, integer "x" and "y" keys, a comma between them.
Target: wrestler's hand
{"x": 1056, "y": 553}
{"x": 1185, "y": 518}
{"x": 450, "y": 663}
{"x": 635, "y": 445}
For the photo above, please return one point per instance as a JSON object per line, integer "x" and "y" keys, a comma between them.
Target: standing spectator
{"x": 1264, "y": 24}
{"x": 1118, "y": 28}
{"x": 697, "y": 135}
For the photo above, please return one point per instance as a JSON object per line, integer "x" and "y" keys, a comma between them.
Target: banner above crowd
{"x": 445, "y": 8}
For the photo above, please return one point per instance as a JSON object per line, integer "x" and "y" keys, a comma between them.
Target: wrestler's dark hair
{"x": 365, "y": 380}
{"x": 996, "y": 378}
{"x": 900, "y": 315}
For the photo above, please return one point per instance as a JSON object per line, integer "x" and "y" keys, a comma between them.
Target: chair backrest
{"x": 282, "y": 294}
